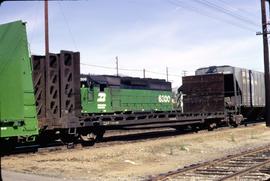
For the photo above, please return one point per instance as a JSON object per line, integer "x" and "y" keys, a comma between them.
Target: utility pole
{"x": 167, "y": 74}
{"x": 184, "y": 73}
{"x": 144, "y": 73}
{"x": 117, "y": 73}
{"x": 46, "y": 28}
{"x": 266, "y": 63}
{"x": 46, "y": 25}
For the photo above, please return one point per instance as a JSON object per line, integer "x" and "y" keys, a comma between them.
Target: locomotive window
{"x": 91, "y": 86}
{"x": 102, "y": 87}
{"x": 84, "y": 84}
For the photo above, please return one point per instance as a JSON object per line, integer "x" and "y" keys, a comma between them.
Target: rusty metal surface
{"x": 250, "y": 82}
{"x": 38, "y": 64}
{"x": 67, "y": 77}
{"x": 203, "y": 104}
{"x": 70, "y": 83}
{"x": 69, "y": 87}
{"x": 203, "y": 93}
{"x": 77, "y": 83}
{"x": 52, "y": 89}
{"x": 57, "y": 89}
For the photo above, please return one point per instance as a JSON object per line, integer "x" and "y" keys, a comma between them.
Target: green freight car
{"x": 18, "y": 118}
{"x": 108, "y": 94}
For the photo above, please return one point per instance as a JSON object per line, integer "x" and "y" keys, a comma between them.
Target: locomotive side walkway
{"x": 136, "y": 161}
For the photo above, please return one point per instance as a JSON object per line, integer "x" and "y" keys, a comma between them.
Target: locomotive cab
{"x": 94, "y": 95}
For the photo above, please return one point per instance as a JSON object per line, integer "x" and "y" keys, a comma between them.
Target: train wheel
{"x": 196, "y": 128}
{"x": 233, "y": 125}
{"x": 88, "y": 139}
{"x": 99, "y": 134}
{"x": 8, "y": 145}
{"x": 235, "y": 120}
{"x": 68, "y": 138}
{"x": 45, "y": 138}
{"x": 212, "y": 126}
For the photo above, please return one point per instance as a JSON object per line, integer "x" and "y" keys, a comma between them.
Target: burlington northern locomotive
{"x": 106, "y": 93}
{"x": 46, "y": 97}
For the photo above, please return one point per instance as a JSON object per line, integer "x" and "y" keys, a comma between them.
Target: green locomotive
{"x": 108, "y": 94}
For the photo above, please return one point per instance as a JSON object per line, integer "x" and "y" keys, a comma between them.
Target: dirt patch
{"x": 135, "y": 161}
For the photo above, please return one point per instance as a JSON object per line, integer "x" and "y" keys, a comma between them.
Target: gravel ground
{"x": 136, "y": 161}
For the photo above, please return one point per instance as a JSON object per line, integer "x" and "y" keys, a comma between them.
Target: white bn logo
{"x": 101, "y": 97}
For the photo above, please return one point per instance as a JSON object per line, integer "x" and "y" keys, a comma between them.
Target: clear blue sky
{"x": 152, "y": 34}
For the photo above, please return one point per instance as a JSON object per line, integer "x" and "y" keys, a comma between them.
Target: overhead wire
{"x": 101, "y": 66}
{"x": 67, "y": 24}
{"x": 185, "y": 6}
{"x": 236, "y": 9}
{"x": 112, "y": 68}
{"x": 98, "y": 66}
{"x": 159, "y": 73}
{"x": 178, "y": 3}
{"x": 126, "y": 69}
{"x": 226, "y": 11}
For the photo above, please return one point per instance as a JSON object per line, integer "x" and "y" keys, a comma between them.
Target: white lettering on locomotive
{"x": 164, "y": 98}
{"x": 83, "y": 79}
{"x": 101, "y": 100}
{"x": 101, "y": 97}
{"x": 101, "y": 106}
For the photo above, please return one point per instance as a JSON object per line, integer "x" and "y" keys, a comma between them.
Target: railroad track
{"x": 116, "y": 138}
{"x": 119, "y": 137}
{"x": 250, "y": 165}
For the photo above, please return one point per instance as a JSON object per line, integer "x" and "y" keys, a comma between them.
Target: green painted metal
{"x": 18, "y": 117}
{"x": 116, "y": 99}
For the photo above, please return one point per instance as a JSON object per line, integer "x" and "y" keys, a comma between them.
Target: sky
{"x": 182, "y": 35}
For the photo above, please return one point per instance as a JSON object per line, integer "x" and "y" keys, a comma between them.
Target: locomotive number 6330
{"x": 164, "y": 98}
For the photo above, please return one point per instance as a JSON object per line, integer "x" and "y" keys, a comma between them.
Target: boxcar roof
{"x": 224, "y": 69}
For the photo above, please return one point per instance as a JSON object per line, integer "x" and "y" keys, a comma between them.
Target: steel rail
{"x": 172, "y": 174}
{"x": 242, "y": 172}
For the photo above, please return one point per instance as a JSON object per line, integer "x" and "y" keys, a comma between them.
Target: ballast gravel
{"x": 136, "y": 161}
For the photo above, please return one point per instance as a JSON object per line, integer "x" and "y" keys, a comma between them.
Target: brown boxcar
{"x": 224, "y": 88}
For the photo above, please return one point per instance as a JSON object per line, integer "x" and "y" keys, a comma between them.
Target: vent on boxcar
{"x": 212, "y": 70}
